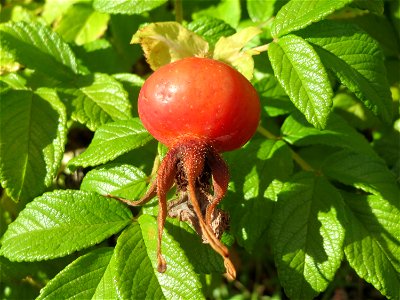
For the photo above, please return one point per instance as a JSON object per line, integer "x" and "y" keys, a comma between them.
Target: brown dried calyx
{"x": 195, "y": 168}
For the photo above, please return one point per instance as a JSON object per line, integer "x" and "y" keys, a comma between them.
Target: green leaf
{"x": 81, "y": 278}
{"x": 81, "y": 24}
{"x": 129, "y": 7}
{"x": 54, "y": 9}
{"x": 39, "y": 48}
{"x": 227, "y": 10}
{"x": 165, "y": 42}
{"x": 110, "y": 141}
{"x": 14, "y": 80}
{"x": 297, "y": 14}
{"x": 297, "y": 131}
{"x": 356, "y": 59}
{"x": 137, "y": 276}
{"x": 61, "y": 222}
{"x": 211, "y": 29}
{"x": 248, "y": 204}
{"x": 307, "y": 235}
{"x": 107, "y": 288}
{"x": 33, "y": 135}
{"x": 362, "y": 171}
{"x": 134, "y": 273}
{"x": 372, "y": 241}
{"x": 303, "y": 77}
{"x": 98, "y": 99}
{"x": 261, "y": 10}
{"x": 124, "y": 181}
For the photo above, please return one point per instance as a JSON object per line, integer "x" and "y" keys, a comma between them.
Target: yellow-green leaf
{"x": 230, "y": 50}
{"x": 165, "y": 42}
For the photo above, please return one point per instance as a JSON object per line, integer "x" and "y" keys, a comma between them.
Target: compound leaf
{"x": 33, "y": 126}
{"x": 61, "y": 222}
{"x": 362, "y": 171}
{"x": 303, "y": 77}
{"x": 112, "y": 140}
{"x": 81, "y": 278}
{"x": 357, "y": 61}
{"x": 373, "y": 240}
{"x": 297, "y": 14}
{"x": 39, "y": 48}
{"x": 307, "y": 235}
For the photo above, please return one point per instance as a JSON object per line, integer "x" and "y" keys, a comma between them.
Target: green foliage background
{"x": 314, "y": 196}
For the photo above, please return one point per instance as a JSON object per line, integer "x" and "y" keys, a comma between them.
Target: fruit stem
{"x": 178, "y": 11}
{"x": 297, "y": 158}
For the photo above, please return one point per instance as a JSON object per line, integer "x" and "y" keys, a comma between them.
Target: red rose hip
{"x": 199, "y": 97}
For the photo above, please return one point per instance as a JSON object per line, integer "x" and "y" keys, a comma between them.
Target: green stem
{"x": 297, "y": 158}
{"x": 301, "y": 162}
{"x": 156, "y": 164}
{"x": 265, "y": 132}
{"x": 178, "y": 11}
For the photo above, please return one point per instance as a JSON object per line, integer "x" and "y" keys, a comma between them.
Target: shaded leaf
{"x": 364, "y": 172}
{"x": 61, "y": 222}
{"x": 248, "y": 204}
{"x": 297, "y": 131}
{"x": 372, "y": 245}
{"x": 33, "y": 132}
{"x": 307, "y": 235}
{"x": 273, "y": 97}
